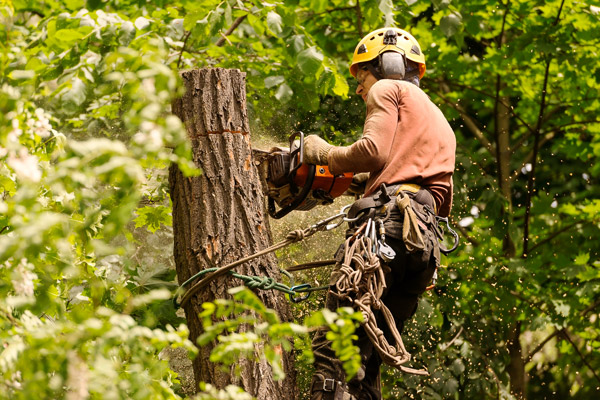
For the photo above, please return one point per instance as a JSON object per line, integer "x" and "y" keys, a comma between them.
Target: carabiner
{"x": 301, "y": 298}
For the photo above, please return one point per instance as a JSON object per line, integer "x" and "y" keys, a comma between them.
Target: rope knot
{"x": 296, "y": 236}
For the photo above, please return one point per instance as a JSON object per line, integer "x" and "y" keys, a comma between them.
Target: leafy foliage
{"x": 244, "y": 323}
{"x": 86, "y": 133}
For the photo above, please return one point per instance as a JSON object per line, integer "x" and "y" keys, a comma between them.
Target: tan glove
{"x": 358, "y": 185}
{"x": 316, "y": 150}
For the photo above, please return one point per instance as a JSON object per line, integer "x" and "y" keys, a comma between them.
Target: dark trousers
{"x": 408, "y": 276}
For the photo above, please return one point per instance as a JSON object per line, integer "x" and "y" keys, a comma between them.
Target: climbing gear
{"x": 331, "y": 389}
{"x": 362, "y": 283}
{"x": 316, "y": 150}
{"x": 293, "y": 184}
{"x": 411, "y": 233}
{"x": 383, "y": 40}
{"x": 208, "y": 275}
{"x": 418, "y": 214}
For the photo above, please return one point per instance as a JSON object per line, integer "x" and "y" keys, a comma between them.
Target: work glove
{"x": 316, "y": 150}
{"x": 358, "y": 185}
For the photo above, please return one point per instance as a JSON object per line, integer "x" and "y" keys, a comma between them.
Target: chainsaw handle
{"x": 312, "y": 169}
{"x": 296, "y": 162}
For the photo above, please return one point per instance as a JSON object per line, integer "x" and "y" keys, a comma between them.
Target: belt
{"x": 387, "y": 195}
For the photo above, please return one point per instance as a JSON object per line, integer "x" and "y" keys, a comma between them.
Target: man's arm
{"x": 371, "y": 152}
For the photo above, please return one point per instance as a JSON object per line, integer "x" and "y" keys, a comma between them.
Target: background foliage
{"x": 86, "y": 134}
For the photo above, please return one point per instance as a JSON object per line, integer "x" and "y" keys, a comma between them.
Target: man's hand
{"x": 358, "y": 185}
{"x": 316, "y": 150}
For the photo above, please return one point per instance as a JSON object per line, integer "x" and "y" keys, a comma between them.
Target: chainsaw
{"x": 291, "y": 184}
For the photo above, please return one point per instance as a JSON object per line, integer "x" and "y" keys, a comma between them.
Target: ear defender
{"x": 392, "y": 65}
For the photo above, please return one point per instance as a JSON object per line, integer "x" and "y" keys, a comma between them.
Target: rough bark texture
{"x": 219, "y": 217}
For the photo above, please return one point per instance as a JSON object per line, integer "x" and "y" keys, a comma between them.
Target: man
{"x": 408, "y": 145}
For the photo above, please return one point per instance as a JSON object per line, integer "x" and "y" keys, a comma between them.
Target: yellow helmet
{"x": 388, "y": 39}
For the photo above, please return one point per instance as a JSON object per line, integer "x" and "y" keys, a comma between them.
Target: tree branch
{"x": 558, "y": 232}
{"x": 547, "y": 137}
{"x": 565, "y": 334}
{"x": 183, "y": 48}
{"x": 312, "y": 14}
{"x": 541, "y": 345}
{"x": 235, "y": 24}
{"x": 359, "y": 18}
{"x": 469, "y": 122}
{"x": 559, "y": 331}
{"x": 491, "y": 96}
{"x": 536, "y": 144}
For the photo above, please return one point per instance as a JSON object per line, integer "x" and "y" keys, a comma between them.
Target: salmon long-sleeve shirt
{"x": 406, "y": 139}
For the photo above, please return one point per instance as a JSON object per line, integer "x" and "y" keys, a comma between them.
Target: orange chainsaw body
{"x": 292, "y": 184}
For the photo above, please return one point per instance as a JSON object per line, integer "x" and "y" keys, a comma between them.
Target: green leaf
{"x": 274, "y": 23}
{"x": 451, "y": 24}
{"x": 387, "y": 8}
{"x": 310, "y": 61}
{"x": 582, "y": 259}
{"x": 284, "y": 93}
{"x": 152, "y": 217}
{"x": 271, "y": 81}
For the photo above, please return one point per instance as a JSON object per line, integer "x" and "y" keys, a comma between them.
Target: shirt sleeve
{"x": 371, "y": 152}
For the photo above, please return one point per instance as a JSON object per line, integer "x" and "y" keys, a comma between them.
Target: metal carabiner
{"x": 456, "y": 238}
{"x": 301, "y": 298}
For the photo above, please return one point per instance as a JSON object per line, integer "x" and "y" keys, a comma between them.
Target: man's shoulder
{"x": 383, "y": 86}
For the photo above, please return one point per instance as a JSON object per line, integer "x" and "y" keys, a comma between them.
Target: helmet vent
{"x": 391, "y": 37}
{"x": 362, "y": 49}
{"x": 415, "y": 50}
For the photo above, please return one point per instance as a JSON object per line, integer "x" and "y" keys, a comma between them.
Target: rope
{"x": 291, "y": 237}
{"x": 309, "y": 265}
{"x": 362, "y": 282}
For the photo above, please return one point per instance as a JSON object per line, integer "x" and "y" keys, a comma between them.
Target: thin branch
{"x": 558, "y": 232}
{"x": 491, "y": 96}
{"x": 183, "y": 48}
{"x": 464, "y": 232}
{"x": 3, "y": 229}
{"x": 312, "y": 14}
{"x": 547, "y": 137}
{"x": 560, "y": 127}
{"x": 469, "y": 122}
{"x": 565, "y": 334}
{"x": 531, "y": 181}
{"x": 359, "y": 18}
{"x": 235, "y": 24}
{"x": 562, "y": 3}
{"x": 541, "y": 345}
{"x": 451, "y": 342}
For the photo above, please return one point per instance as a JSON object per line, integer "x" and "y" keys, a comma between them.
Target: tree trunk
{"x": 516, "y": 366}
{"x": 218, "y": 217}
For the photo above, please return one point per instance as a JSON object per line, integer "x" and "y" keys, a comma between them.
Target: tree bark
{"x": 218, "y": 217}
{"x": 516, "y": 366}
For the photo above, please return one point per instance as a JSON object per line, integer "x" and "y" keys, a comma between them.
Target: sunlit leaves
{"x": 153, "y": 217}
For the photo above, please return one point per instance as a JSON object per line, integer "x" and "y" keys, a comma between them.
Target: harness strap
{"x": 333, "y": 387}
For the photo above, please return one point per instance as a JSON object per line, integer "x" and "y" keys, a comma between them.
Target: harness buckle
{"x": 329, "y": 385}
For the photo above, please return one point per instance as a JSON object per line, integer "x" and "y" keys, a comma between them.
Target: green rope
{"x": 264, "y": 283}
